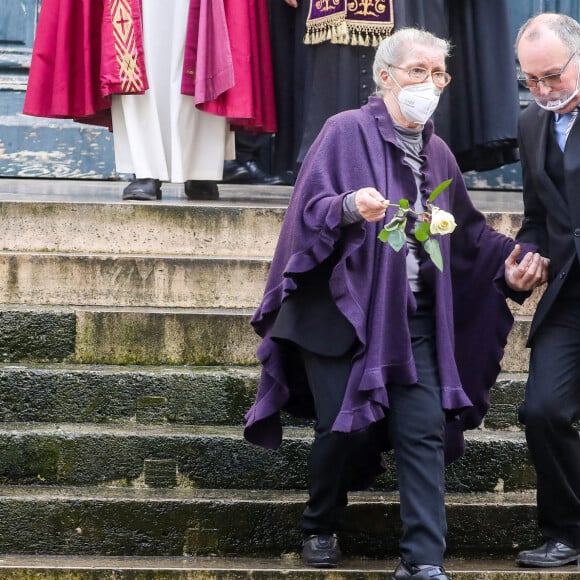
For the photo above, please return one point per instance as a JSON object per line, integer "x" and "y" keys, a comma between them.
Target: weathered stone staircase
{"x": 127, "y": 366}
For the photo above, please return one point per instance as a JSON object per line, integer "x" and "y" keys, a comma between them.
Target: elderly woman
{"x": 388, "y": 345}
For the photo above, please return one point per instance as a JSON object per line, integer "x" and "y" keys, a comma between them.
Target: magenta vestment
{"x": 87, "y": 50}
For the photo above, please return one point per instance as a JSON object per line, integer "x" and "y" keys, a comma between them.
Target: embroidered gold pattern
{"x": 130, "y": 74}
{"x": 367, "y": 7}
{"x": 325, "y": 5}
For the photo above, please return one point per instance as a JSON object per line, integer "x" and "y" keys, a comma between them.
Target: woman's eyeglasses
{"x": 418, "y": 75}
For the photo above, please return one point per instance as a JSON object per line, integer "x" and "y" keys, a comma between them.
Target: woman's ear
{"x": 385, "y": 78}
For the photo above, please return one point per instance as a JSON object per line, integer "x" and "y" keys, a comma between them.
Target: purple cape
{"x": 369, "y": 284}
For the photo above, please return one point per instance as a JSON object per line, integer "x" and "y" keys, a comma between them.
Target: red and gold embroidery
{"x": 130, "y": 73}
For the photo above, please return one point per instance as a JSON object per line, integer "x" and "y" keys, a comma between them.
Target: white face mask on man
{"x": 418, "y": 102}
{"x": 558, "y": 100}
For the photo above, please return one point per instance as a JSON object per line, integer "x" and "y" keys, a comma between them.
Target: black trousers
{"x": 252, "y": 147}
{"x": 416, "y": 425}
{"x": 550, "y": 407}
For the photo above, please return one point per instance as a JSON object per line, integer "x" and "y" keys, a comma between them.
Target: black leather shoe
{"x": 404, "y": 571}
{"x": 321, "y": 551}
{"x": 196, "y": 189}
{"x": 260, "y": 177}
{"x": 552, "y": 553}
{"x": 235, "y": 172}
{"x": 143, "y": 190}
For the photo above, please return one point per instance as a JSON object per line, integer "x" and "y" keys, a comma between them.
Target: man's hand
{"x": 293, "y": 3}
{"x": 530, "y": 273}
{"x": 370, "y": 204}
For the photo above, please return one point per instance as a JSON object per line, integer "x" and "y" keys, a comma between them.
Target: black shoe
{"x": 260, "y": 177}
{"x": 404, "y": 571}
{"x": 195, "y": 189}
{"x": 288, "y": 177}
{"x": 321, "y": 551}
{"x": 143, "y": 190}
{"x": 235, "y": 172}
{"x": 552, "y": 553}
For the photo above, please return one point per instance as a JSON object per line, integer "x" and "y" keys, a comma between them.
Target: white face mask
{"x": 558, "y": 100}
{"x": 418, "y": 102}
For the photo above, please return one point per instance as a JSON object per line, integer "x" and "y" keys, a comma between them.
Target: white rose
{"x": 442, "y": 222}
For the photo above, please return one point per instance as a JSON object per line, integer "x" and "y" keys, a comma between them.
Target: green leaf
{"x": 396, "y": 240}
{"x": 384, "y": 234}
{"x": 404, "y": 203}
{"x": 432, "y": 248}
{"x": 422, "y": 231}
{"x": 441, "y": 187}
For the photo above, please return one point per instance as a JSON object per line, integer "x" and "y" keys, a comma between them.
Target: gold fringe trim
{"x": 342, "y": 27}
{"x": 343, "y": 32}
{"x": 332, "y": 28}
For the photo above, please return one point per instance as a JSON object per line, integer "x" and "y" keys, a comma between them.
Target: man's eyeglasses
{"x": 418, "y": 75}
{"x": 550, "y": 81}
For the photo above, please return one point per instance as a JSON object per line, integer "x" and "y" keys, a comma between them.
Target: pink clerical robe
{"x": 249, "y": 103}
{"x": 87, "y": 50}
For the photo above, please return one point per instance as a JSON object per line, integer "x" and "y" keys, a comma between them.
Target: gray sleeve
{"x": 350, "y": 214}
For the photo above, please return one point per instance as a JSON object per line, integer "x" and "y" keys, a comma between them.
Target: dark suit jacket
{"x": 551, "y": 216}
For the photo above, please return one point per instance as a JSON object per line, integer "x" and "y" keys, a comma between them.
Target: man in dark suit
{"x": 548, "y": 48}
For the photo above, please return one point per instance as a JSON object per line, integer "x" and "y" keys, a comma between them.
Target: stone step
{"x": 516, "y": 356}
{"x": 236, "y": 228}
{"x": 287, "y": 567}
{"x": 68, "y": 393}
{"x": 127, "y": 335}
{"x": 102, "y": 224}
{"x": 99, "y": 223}
{"x": 37, "y": 333}
{"x": 156, "y": 336}
{"x": 155, "y": 280}
{"x": 61, "y": 393}
{"x": 505, "y": 399}
{"x": 153, "y": 522}
{"x": 134, "y": 454}
{"x": 165, "y": 336}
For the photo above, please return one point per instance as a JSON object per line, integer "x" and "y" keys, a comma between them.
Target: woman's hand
{"x": 528, "y": 274}
{"x": 293, "y": 3}
{"x": 370, "y": 204}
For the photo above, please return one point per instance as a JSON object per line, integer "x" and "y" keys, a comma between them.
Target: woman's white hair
{"x": 392, "y": 50}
